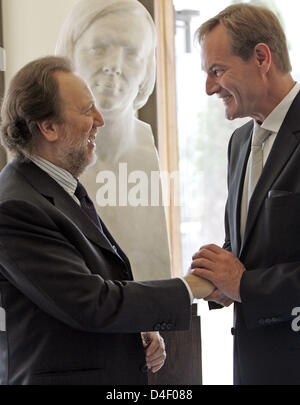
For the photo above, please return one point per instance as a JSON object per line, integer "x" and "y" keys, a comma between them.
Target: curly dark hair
{"x": 33, "y": 96}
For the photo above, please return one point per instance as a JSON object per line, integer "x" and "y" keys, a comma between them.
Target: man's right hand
{"x": 200, "y": 287}
{"x": 219, "y": 298}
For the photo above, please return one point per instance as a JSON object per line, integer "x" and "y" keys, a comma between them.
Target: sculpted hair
{"x": 247, "y": 26}
{"x": 85, "y": 12}
{"x": 33, "y": 96}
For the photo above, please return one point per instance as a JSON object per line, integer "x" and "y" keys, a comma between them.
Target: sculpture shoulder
{"x": 144, "y": 134}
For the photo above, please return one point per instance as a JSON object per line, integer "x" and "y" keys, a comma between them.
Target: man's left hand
{"x": 220, "y": 267}
{"x": 155, "y": 350}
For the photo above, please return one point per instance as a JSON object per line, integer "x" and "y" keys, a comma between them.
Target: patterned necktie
{"x": 256, "y": 157}
{"x": 87, "y": 204}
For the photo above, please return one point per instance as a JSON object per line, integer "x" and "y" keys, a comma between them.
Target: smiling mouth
{"x": 92, "y": 138}
{"x": 227, "y": 99}
{"x": 107, "y": 88}
{"x": 106, "y": 85}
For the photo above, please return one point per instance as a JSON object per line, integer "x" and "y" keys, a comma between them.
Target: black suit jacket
{"x": 71, "y": 318}
{"x": 267, "y": 350}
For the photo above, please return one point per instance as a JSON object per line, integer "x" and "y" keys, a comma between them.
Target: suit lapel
{"x": 284, "y": 146}
{"x": 236, "y": 186}
{"x": 55, "y": 194}
{"x": 73, "y": 211}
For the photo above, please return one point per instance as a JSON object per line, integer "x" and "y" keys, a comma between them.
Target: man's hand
{"x": 219, "y": 298}
{"x": 155, "y": 350}
{"x": 221, "y": 268}
{"x": 200, "y": 287}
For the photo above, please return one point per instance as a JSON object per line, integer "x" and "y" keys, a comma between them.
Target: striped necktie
{"x": 256, "y": 157}
{"x": 87, "y": 204}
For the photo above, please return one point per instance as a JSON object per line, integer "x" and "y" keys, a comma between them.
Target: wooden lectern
{"x": 183, "y": 363}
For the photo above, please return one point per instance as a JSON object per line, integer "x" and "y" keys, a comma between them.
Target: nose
{"x": 98, "y": 119}
{"x": 113, "y": 62}
{"x": 212, "y": 86}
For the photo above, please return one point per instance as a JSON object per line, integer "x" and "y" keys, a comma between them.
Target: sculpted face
{"x": 111, "y": 56}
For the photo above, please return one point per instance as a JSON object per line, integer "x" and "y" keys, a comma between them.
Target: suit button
{"x": 268, "y": 321}
{"x": 163, "y": 326}
{"x": 126, "y": 275}
{"x": 144, "y": 369}
{"x": 156, "y": 327}
{"x": 169, "y": 326}
{"x": 233, "y": 331}
{"x": 261, "y": 322}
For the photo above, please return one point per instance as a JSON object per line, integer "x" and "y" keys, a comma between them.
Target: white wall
{"x": 30, "y": 30}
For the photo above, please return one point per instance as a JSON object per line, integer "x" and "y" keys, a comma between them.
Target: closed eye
{"x": 90, "y": 109}
{"x": 97, "y": 51}
{"x": 218, "y": 72}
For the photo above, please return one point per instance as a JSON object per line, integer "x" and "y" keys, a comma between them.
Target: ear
{"x": 48, "y": 130}
{"x": 263, "y": 56}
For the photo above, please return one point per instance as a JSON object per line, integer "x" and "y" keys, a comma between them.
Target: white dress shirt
{"x": 273, "y": 124}
{"x": 64, "y": 178}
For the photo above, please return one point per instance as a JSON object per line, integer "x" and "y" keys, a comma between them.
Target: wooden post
{"x": 149, "y": 112}
{"x": 3, "y": 158}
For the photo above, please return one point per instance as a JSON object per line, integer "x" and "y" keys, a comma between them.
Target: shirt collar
{"x": 61, "y": 176}
{"x": 274, "y": 120}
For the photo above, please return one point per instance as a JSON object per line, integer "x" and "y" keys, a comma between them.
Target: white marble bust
{"x": 112, "y": 45}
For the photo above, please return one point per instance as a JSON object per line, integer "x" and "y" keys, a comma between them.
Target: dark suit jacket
{"x": 267, "y": 350}
{"x": 71, "y": 317}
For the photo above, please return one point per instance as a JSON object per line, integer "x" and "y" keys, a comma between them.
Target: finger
{"x": 209, "y": 254}
{"x": 155, "y": 352}
{"x": 228, "y": 302}
{"x": 156, "y": 363}
{"x": 212, "y": 247}
{"x": 156, "y": 358}
{"x": 213, "y": 295}
{"x": 204, "y": 273}
{"x": 219, "y": 298}
{"x": 146, "y": 339}
{"x": 156, "y": 368}
{"x": 198, "y": 253}
{"x": 157, "y": 345}
{"x": 202, "y": 263}
{"x": 207, "y": 251}
{"x": 205, "y": 254}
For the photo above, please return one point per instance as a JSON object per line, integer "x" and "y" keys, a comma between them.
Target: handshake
{"x": 215, "y": 275}
{"x": 200, "y": 287}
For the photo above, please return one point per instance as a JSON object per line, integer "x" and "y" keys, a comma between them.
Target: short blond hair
{"x": 247, "y": 26}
